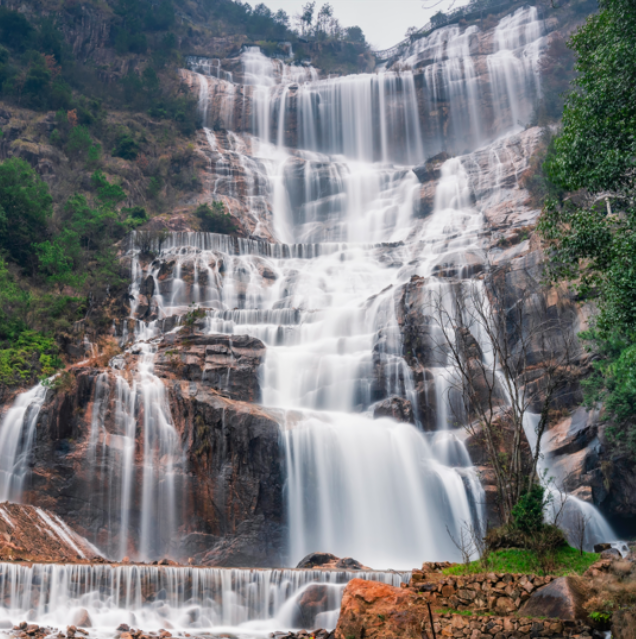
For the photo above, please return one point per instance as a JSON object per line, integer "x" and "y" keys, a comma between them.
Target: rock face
{"x": 562, "y": 598}
{"x": 32, "y": 534}
{"x": 227, "y": 363}
{"x": 232, "y": 509}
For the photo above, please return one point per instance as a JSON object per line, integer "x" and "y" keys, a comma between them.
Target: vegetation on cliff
{"x": 57, "y": 267}
{"x": 591, "y": 222}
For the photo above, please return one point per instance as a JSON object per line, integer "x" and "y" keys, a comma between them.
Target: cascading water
{"x": 321, "y": 170}
{"x": 248, "y": 603}
{"x": 17, "y": 431}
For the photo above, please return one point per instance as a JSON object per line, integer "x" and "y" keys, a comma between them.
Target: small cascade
{"x": 572, "y": 514}
{"x": 17, "y": 432}
{"x": 194, "y": 600}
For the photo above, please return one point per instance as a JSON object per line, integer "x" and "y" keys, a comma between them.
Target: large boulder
{"x": 314, "y": 600}
{"x": 375, "y": 610}
{"x": 562, "y": 598}
{"x": 317, "y": 559}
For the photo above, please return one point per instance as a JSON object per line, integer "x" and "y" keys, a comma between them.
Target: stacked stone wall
{"x": 500, "y": 593}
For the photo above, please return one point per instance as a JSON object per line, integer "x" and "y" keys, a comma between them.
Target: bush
{"x": 135, "y": 216}
{"x": 15, "y": 30}
{"x": 25, "y": 209}
{"x": 527, "y": 513}
{"x": 214, "y": 219}
{"x": 33, "y": 355}
{"x": 126, "y": 148}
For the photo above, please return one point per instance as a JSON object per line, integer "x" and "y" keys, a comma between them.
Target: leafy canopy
{"x": 592, "y": 231}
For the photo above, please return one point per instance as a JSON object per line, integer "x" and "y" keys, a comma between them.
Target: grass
{"x": 565, "y": 561}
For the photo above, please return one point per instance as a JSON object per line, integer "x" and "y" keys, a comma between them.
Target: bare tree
{"x": 465, "y": 542}
{"x": 510, "y": 359}
{"x": 578, "y": 528}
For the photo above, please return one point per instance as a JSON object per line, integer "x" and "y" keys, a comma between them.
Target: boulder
{"x": 562, "y": 598}
{"x": 397, "y": 408}
{"x": 82, "y": 619}
{"x": 375, "y": 610}
{"x": 347, "y": 563}
{"x": 611, "y": 553}
{"x": 601, "y": 547}
{"x": 316, "y": 559}
{"x": 314, "y": 600}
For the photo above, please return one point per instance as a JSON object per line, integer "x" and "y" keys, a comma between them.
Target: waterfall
{"x": 345, "y": 241}
{"x": 17, "y": 432}
{"x": 250, "y": 602}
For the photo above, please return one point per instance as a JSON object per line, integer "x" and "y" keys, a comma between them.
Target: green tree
{"x": 593, "y": 231}
{"x": 214, "y": 219}
{"x": 25, "y": 210}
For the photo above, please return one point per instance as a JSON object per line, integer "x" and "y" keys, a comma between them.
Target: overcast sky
{"x": 384, "y": 22}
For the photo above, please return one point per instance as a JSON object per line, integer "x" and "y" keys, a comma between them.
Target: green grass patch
{"x": 564, "y": 561}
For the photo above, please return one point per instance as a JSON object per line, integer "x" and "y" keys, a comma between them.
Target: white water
{"x": 336, "y": 194}
{"x": 569, "y": 511}
{"x": 247, "y": 603}
{"x": 17, "y": 432}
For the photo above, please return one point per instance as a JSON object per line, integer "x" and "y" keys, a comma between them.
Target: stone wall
{"x": 501, "y": 593}
{"x": 371, "y": 610}
{"x": 485, "y": 626}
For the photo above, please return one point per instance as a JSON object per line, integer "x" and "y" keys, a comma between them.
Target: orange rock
{"x": 381, "y": 610}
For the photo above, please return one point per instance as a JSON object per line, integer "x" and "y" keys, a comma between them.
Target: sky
{"x": 384, "y": 22}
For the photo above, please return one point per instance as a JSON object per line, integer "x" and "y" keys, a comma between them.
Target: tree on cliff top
{"x": 592, "y": 227}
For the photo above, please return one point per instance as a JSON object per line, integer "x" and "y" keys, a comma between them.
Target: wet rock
{"x": 82, "y": 619}
{"x": 611, "y": 553}
{"x": 347, "y": 563}
{"x": 563, "y": 598}
{"x": 601, "y": 547}
{"x": 314, "y": 600}
{"x": 397, "y": 408}
{"x": 228, "y": 363}
{"x": 316, "y": 559}
{"x": 431, "y": 169}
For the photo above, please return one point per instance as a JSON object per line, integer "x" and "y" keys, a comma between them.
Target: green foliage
{"x": 592, "y": 233}
{"x": 16, "y": 31}
{"x": 135, "y": 216}
{"x": 14, "y": 305}
{"x": 567, "y": 560}
{"x": 126, "y": 148}
{"x": 527, "y": 513}
{"x": 80, "y": 145}
{"x": 25, "y": 209}
{"x": 597, "y": 147}
{"x": 614, "y": 382}
{"x": 108, "y": 194}
{"x": 31, "y": 351}
{"x": 214, "y": 219}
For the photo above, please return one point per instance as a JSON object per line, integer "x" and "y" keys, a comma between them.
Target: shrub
{"x": 25, "y": 209}
{"x": 527, "y": 513}
{"x": 126, "y": 148}
{"x": 135, "y": 216}
{"x": 214, "y": 219}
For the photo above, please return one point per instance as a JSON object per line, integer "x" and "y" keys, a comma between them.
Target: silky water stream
{"x": 348, "y": 233}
